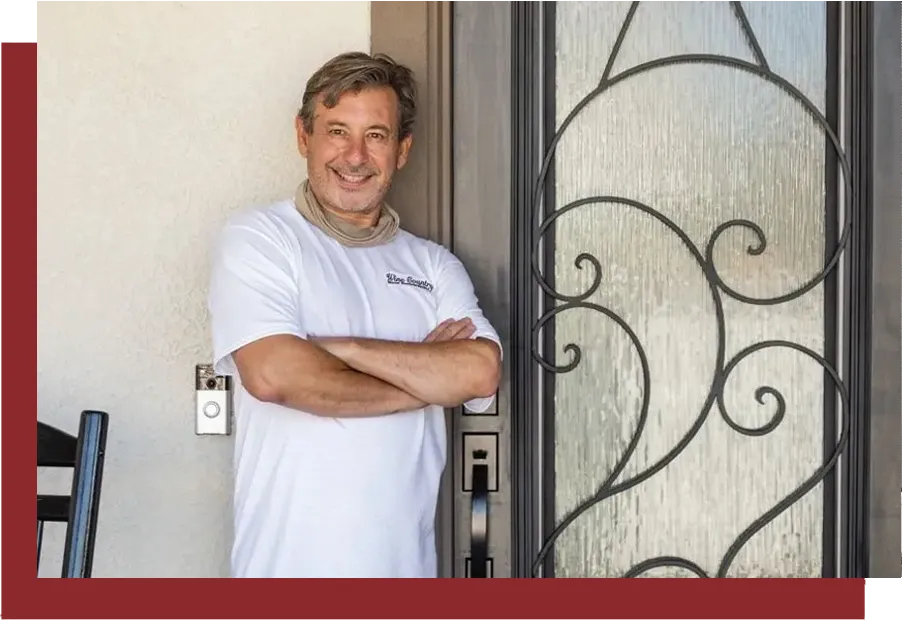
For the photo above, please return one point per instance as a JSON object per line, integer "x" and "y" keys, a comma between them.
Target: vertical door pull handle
{"x": 479, "y": 517}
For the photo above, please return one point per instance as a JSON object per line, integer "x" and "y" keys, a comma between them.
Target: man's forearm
{"x": 291, "y": 372}
{"x": 349, "y": 393}
{"x": 445, "y": 373}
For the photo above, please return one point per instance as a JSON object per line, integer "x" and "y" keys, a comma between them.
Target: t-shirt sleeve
{"x": 253, "y": 292}
{"x": 456, "y": 300}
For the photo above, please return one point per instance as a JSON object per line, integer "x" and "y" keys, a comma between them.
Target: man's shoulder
{"x": 436, "y": 251}
{"x": 278, "y": 221}
{"x": 261, "y": 216}
{"x": 439, "y": 256}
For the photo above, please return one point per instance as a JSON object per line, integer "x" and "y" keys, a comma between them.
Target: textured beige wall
{"x": 155, "y": 120}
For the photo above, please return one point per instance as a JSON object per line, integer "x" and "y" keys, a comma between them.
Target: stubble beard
{"x": 330, "y": 195}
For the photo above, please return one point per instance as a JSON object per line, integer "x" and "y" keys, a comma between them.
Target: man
{"x": 347, "y": 336}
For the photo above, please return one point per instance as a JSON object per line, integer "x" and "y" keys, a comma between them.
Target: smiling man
{"x": 347, "y": 336}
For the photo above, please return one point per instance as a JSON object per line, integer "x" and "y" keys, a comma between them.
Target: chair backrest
{"x": 83, "y": 453}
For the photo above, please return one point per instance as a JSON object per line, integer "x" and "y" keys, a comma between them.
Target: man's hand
{"x": 451, "y": 329}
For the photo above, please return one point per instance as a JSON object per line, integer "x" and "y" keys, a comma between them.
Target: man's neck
{"x": 360, "y": 219}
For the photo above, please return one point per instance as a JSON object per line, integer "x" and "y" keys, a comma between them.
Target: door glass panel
{"x": 699, "y": 144}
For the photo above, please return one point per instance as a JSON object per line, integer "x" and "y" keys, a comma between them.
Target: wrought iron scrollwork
{"x": 705, "y": 260}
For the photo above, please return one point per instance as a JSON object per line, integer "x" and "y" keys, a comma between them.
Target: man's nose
{"x": 356, "y": 152}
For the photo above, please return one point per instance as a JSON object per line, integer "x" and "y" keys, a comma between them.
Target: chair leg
{"x": 40, "y": 538}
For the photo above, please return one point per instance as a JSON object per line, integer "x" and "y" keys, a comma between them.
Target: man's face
{"x": 353, "y": 151}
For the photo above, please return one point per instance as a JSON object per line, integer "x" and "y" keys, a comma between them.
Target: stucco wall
{"x": 155, "y": 121}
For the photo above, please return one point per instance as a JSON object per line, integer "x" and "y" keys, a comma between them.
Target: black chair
{"x": 84, "y": 454}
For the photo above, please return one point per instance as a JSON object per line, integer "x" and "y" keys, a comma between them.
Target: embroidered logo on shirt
{"x": 393, "y": 278}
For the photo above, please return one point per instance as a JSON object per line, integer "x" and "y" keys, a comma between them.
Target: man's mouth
{"x": 351, "y": 181}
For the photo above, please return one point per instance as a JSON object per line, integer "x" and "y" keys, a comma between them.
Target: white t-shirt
{"x": 318, "y": 496}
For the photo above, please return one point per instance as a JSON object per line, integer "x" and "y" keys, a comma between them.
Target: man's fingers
{"x": 451, "y": 329}
{"x": 437, "y": 331}
{"x": 461, "y": 329}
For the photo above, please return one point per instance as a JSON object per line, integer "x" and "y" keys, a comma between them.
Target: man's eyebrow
{"x": 380, "y": 127}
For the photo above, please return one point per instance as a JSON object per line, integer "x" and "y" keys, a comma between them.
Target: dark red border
{"x": 26, "y": 597}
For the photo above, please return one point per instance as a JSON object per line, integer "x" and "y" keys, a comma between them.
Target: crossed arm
{"x": 360, "y": 377}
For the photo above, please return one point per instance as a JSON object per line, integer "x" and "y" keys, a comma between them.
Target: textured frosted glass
{"x": 701, "y": 144}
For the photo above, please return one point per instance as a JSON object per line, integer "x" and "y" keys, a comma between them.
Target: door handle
{"x": 479, "y": 517}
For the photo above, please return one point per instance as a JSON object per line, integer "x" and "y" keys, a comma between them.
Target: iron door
{"x": 658, "y": 203}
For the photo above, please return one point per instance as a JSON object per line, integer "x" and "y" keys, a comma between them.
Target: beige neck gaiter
{"x": 344, "y": 232}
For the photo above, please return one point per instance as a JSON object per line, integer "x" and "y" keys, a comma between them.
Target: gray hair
{"x": 354, "y": 71}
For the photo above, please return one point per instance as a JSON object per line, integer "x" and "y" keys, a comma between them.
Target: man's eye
{"x": 336, "y": 132}
{"x": 377, "y": 136}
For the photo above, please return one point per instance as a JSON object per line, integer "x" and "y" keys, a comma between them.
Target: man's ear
{"x": 404, "y": 151}
{"x": 302, "y": 136}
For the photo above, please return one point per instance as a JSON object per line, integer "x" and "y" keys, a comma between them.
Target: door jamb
{"x": 884, "y": 389}
{"x": 418, "y": 34}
